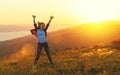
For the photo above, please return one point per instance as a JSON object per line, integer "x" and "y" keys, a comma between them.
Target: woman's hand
{"x": 51, "y": 17}
{"x": 34, "y": 16}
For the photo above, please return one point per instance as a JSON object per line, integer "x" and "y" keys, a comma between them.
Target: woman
{"x": 41, "y": 33}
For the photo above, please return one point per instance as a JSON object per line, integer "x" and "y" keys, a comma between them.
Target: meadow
{"x": 77, "y": 54}
{"x": 100, "y": 59}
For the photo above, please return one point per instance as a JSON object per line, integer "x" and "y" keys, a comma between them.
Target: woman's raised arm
{"x": 51, "y": 17}
{"x": 34, "y": 22}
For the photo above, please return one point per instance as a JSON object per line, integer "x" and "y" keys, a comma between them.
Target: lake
{"x": 11, "y": 35}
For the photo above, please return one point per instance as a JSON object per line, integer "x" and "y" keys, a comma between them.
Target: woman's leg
{"x": 47, "y": 52}
{"x": 39, "y": 49}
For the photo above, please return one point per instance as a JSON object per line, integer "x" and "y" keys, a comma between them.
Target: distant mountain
{"x": 13, "y": 28}
{"x": 73, "y": 37}
{"x": 79, "y": 36}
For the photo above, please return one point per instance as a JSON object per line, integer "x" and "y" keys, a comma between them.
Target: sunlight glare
{"x": 97, "y": 31}
{"x": 99, "y": 10}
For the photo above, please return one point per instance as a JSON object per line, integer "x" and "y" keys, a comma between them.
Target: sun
{"x": 98, "y": 14}
{"x": 98, "y": 30}
{"x": 99, "y": 10}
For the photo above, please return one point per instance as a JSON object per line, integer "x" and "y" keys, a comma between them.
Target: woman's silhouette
{"x": 41, "y": 33}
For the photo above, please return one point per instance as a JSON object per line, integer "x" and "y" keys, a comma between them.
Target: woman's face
{"x": 41, "y": 25}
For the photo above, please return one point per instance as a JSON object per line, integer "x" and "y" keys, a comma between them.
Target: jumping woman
{"x": 41, "y": 33}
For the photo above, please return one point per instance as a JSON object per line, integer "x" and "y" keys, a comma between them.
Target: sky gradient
{"x": 66, "y": 12}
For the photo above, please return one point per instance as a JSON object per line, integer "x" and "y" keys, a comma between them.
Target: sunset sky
{"x": 66, "y": 12}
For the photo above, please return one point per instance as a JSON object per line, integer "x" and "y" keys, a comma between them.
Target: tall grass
{"x": 84, "y": 61}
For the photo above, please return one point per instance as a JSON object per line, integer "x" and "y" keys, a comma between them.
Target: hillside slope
{"x": 101, "y": 59}
{"x": 83, "y": 35}
{"x": 74, "y": 37}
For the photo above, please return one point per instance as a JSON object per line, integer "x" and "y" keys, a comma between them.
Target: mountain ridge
{"x": 58, "y": 40}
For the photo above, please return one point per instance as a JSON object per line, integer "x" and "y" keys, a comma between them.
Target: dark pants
{"x": 39, "y": 49}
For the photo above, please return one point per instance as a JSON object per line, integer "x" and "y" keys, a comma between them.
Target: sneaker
{"x": 52, "y": 65}
{"x": 33, "y": 67}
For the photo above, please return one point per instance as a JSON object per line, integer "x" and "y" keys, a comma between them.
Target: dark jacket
{"x": 34, "y": 31}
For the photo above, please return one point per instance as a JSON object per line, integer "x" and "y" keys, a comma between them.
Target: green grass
{"x": 84, "y": 61}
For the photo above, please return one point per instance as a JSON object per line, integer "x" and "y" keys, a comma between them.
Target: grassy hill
{"x": 101, "y": 59}
{"x": 72, "y": 50}
{"x": 12, "y": 46}
{"x": 73, "y": 37}
{"x": 82, "y": 35}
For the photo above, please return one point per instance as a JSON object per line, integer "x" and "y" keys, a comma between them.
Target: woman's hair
{"x": 41, "y": 23}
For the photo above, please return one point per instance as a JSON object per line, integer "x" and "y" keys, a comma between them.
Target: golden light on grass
{"x": 104, "y": 51}
{"x": 26, "y": 50}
